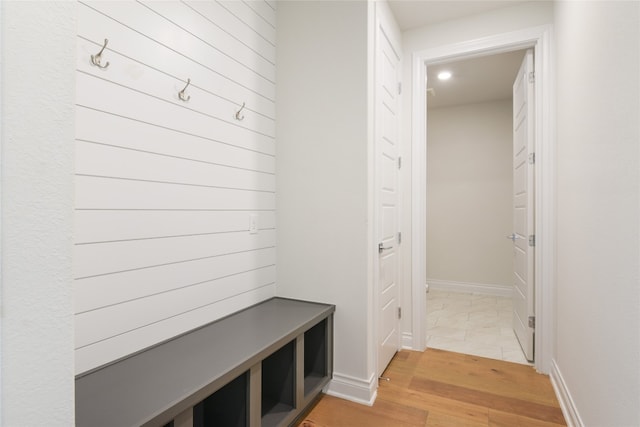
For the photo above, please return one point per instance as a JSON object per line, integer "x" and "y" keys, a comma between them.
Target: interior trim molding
{"x": 407, "y": 340}
{"x": 540, "y": 38}
{"x": 567, "y": 404}
{"x": 473, "y": 288}
{"x": 353, "y": 389}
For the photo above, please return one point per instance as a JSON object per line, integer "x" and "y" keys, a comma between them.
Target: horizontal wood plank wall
{"x": 165, "y": 189}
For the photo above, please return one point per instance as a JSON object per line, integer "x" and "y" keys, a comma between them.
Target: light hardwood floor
{"x": 445, "y": 389}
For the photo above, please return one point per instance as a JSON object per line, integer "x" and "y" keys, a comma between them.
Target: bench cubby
{"x": 316, "y": 366}
{"x": 226, "y": 407}
{"x": 278, "y": 381}
{"x": 260, "y": 367}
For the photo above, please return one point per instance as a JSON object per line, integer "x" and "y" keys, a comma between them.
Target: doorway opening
{"x": 470, "y": 211}
{"x": 538, "y": 39}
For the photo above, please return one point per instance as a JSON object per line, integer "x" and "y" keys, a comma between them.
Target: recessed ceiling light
{"x": 444, "y": 75}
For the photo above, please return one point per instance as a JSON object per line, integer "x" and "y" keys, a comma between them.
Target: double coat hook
{"x": 181, "y": 94}
{"x": 238, "y": 116}
{"x": 97, "y": 58}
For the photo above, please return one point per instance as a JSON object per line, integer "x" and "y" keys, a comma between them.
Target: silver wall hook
{"x": 181, "y": 93}
{"x": 97, "y": 58}
{"x": 238, "y": 116}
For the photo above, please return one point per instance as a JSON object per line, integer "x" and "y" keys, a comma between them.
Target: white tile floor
{"x": 472, "y": 324}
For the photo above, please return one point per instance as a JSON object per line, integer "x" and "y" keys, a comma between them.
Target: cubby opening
{"x": 315, "y": 357}
{"x": 226, "y": 407}
{"x": 278, "y": 385}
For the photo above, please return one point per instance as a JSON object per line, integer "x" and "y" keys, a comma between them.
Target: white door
{"x": 388, "y": 327}
{"x": 523, "y": 206}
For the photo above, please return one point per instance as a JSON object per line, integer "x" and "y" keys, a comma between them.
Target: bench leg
{"x": 184, "y": 419}
{"x": 255, "y": 393}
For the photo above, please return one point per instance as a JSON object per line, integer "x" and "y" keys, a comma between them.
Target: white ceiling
{"x": 474, "y": 80}
{"x": 479, "y": 79}
{"x": 417, "y": 13}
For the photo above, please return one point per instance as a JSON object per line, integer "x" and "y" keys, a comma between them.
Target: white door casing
{"x": 387, "y": 149}
{"x": 523, "y": 236}
{"x": 539, "y": 38}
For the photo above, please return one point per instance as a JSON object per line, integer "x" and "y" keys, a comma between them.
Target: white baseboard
{"x": 353, "y": 389}
{"x": 474, "y": 288}
{"x": 407, "y": 340}
{"x": 567, "y": 405}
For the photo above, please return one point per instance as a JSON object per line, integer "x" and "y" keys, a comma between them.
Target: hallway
{"x": 472, "y": 324}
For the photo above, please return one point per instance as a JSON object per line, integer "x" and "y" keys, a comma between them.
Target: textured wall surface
{"x": 598, "y": 243}
{"x": 38, "y": 62}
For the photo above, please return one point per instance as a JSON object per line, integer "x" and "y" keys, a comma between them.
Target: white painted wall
{"x": 165, "y": 188}
{"x": 469, "y": 195}
{"x": 323, "y": 199}
{"x": 598, "y": 282}
{"x": 504, "y": 20}
{"x": 38, "y": 82}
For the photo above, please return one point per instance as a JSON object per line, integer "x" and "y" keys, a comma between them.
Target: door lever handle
{"x": 513, "y": 237}
{"x": 383, "y": 248}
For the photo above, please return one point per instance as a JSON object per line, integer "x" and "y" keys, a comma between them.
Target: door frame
{"x": 538, "y": 38}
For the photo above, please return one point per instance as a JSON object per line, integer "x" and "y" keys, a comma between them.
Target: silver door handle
{"x": 383, "y": 248}
{"x": 513, "y": 237}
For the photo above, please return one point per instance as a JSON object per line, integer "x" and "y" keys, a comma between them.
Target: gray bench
{"x": 259, "y": 367}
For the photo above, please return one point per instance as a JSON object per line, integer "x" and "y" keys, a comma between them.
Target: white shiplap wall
{"x": 165, "y": 189}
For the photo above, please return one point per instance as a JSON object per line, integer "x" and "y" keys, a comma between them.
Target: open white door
{"x": 523, "y": 206}
{"x": 387, "y": 141}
